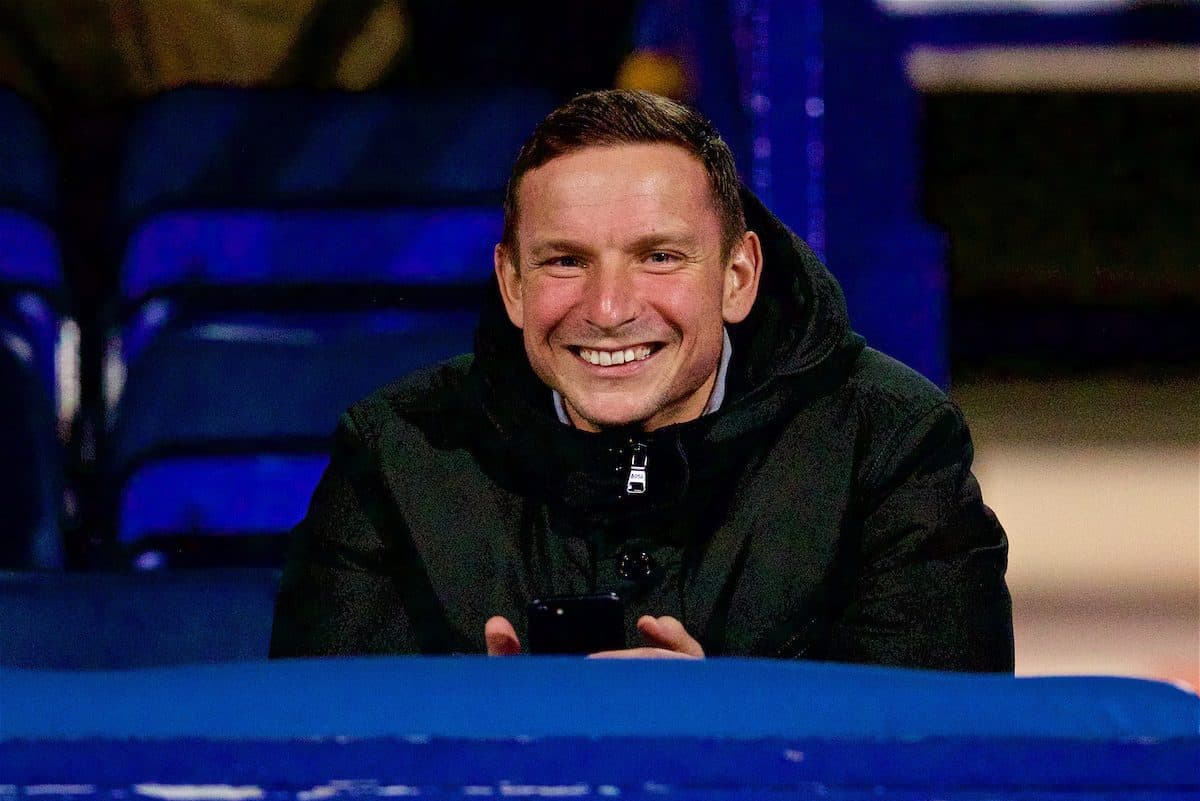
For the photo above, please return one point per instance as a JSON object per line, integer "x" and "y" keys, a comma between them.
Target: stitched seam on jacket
{"x": 886, "y": 454}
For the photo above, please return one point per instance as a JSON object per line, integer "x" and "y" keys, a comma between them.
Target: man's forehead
{"x": 624, "y": 181}
{"x": 595, "y": 164}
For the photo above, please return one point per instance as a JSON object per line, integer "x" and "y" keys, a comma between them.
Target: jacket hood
{"x": 799, "y": 322}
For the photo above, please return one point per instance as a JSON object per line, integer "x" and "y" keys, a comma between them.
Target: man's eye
{"x": 562, "y": 261}
{"x": 662, "y": 257}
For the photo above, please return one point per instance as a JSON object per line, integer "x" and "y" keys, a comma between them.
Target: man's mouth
{"x": 608, "y": 358}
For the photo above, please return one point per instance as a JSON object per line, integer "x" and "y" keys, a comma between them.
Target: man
{"x": 665, "y": 401}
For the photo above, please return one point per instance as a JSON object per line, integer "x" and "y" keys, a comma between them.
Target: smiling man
{"x": 665, "y": 402}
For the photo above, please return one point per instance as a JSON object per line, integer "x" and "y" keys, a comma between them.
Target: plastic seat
{"x": 27, "y": 171}
{"x": 244, "y": 148}
{"x": 224, "y": 425}
{"x": 283, "y": 259}
{"x": 32, "y": 288}
{"x": 30, "y": 465}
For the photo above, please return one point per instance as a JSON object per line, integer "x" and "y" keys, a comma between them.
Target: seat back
{"x": 264, "y": 149}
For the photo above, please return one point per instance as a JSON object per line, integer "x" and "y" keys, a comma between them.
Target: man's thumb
{"x": 669, "y": 633}
{"x": 501, "y": 638}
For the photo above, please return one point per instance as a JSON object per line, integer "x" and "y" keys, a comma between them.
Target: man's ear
{"x": 741, "y": 278}
{"x": 509, "y": 279}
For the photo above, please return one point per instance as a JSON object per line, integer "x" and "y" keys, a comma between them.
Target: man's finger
{"x": 501, "y": 638}
{"x": 641, "y": 653}
{"x": 668, "y": 633}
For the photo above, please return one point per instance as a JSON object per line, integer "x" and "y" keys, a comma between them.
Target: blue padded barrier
{"x": 212, "y": 147}
{"x": 562, "y": 727}
{"x": 97, "y": 621}
{"x": 27, "y": 171}
{"x": 477, "y": 697}
{"x": 418, "y": 247}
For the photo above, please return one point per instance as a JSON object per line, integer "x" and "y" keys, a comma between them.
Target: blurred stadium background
{"x": 221, "y": 221}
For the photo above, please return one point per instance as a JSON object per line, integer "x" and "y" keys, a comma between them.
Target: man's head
{"x": 624, "y": 254}
{"x": 620, "y": 117}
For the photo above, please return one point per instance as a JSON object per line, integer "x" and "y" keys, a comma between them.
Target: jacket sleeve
{"x": 338, "y": 595}
{"x": 928, "y": 589}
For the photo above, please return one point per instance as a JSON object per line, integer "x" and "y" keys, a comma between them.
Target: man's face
{"x": 622, "y": 289}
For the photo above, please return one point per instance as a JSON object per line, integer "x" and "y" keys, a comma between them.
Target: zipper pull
{"x": 636, "y": 483}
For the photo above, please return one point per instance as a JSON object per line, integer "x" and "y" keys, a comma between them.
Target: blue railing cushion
{"x": 481, "y": 698}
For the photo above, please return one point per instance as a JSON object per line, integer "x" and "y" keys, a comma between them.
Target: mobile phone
{"x": 576, "y": 624}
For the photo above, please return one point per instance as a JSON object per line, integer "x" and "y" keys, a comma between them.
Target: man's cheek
{"x": 548, "y": 312}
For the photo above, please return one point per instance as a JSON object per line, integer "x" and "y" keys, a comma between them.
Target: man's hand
{"x": 665, "y": 638}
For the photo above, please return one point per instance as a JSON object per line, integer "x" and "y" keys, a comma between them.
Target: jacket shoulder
{"x": 902, "y": 413}
{"x": 889, "y": 387}
{"x": 421, "y": 399}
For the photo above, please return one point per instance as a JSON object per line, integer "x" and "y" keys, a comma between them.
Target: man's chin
{"x": 595, "y": 416}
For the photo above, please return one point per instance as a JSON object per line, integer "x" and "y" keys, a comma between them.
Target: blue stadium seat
{"x": 224, "y": 424}
{"x": 287, "y": 253}
{"x": 30, "y": 313}
{"x": 306, "y": 252}
{"x": 32, "y": 303}
{"x": 27, "y": 168}
{"x": 32, "y": 290}
{"x": 30, "y": 464}
{"x": 89, "y": 621}
{"x": 238, "y": 148}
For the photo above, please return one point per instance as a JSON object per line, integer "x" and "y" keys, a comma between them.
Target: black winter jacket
{"x": 825, "y": 511}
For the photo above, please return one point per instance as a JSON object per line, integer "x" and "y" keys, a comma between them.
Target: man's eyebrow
{"x": 662, "y": 238}
{"x": 641, "y": 244}
{"x": 547, "y": 246}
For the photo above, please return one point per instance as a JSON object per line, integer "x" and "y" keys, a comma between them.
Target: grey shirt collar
{"x": 714, "y": 400}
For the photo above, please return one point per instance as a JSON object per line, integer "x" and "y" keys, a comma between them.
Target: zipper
{"x": 635, "y": 484}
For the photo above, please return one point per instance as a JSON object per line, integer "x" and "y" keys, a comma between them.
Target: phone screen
{"x": 576, "y": 624}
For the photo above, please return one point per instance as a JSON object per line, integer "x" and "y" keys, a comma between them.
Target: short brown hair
{"x": 621, "y": 117}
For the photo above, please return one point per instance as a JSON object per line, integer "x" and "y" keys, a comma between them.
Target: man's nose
{"x": 611, "y": 299}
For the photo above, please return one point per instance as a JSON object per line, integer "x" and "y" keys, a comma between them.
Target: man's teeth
{"x": 606, "y": 358}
